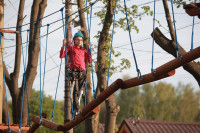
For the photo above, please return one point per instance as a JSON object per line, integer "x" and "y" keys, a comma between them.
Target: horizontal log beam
{"x": 47, "y": 123}
{"x": 35, "y": 126}
{"x": 92, "y": 108}
{"x": 161, "y": 72}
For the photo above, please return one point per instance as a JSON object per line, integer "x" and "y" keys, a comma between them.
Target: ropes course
{"x": 164, "y": 71}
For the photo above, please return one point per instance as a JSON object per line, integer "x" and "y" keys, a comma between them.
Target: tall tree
{"x": 89, "y": 123}
{"x": 12, "y": 78}
{"x": 101, "y": 74}
{"x": 159, "y": 101}
{"x": 170, "y": 45}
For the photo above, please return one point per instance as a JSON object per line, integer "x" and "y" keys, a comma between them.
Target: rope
{"x": 39, "y": 20}
{"x": 52, "y": 14}
{"x": 94, "y": 91}
{"x": 138, "y": 71}
{"x": 5, "y": 86}
{"x": 41, "y": 102}
{"x": 29, "y": 119}
{"x": 111, "y": 42}
{"x": 192, "y": 32}
{"x": 153, "y": 36}
{"x": 85, "y": 103}
{"x": 52, "y": 116}
{"x": 64, "y": 31}
{"x": 89, "y": 30}
{"x": 24, "y": 83}
{"x": 66, "y": 57}
{"x": 177, "y": 47}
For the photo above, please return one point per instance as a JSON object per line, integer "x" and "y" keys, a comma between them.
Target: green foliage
{"x": 133, "y": 12}
{"x": 160, "y": 101}
{"x": 34, "y": 106}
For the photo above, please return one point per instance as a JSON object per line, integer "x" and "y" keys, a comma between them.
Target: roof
{"x": 156, "y": 126}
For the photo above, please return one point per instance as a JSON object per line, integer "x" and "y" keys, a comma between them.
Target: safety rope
{"x": 154, "y": 10}
{"x": 85, "y": 102}
{"x": 42, "y": 93}
{"x": 29, "y": 119}
{"x": 5, "y": 86}
{"x": 66, "y": 57}
{"x": 24, "y": 83}
{"x": 52, "y": 14}
{"x": 138, "y": 71}
{"x": 64, "y": 32}
{"x": 192, "y": 38}
{"x": 52, "y": 116}
{"x": 94, "y": 90}
{"x": 89, "y": 22}
{"x": 111, "y": 42}
{"x": 177, "y": 47}
{"x": 39, "y": 20}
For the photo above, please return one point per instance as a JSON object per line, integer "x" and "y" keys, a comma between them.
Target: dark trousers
{"x": 78, "y": 78}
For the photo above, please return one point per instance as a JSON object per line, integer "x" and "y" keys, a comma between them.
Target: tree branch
{"x": 193, "y": 67}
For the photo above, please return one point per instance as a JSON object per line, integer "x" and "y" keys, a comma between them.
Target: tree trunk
{"x": 170, "y": 45}
{"x": 14, "y": 90}
{"x": 111, "y": 114}
{"x": 89, "y": 128}
{"x": 37, "y": 12}
{"x": 67, "y": 108}
{"x": 101, "y": 74}
{"x": 4, "y": 111}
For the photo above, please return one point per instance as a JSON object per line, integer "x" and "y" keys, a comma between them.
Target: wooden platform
{"x": 8, "y": 31}
{"x": 14, "y": 127}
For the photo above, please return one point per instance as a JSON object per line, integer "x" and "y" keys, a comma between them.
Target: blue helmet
{"x": 78, "y": 34}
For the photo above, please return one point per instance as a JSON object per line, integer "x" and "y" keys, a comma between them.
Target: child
{"x": 77, "y": 57}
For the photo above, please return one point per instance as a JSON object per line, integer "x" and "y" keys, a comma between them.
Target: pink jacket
{"x": 77, "y": 56}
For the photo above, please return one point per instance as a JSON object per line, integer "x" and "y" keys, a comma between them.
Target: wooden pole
{"x": 67, "y": 100}
{"x": 1, "y": 65}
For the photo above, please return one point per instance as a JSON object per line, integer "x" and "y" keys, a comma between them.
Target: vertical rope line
{"x": 85, "y": 103}
{"x": 111, "y": 42}
{"x": 138, "y": 71}
{"x": 44, "y": 67}
{"x": 177, "y": 47}
{"x": 94, "y": 91}
{"x": 39, "y": 20}
{"x": 29, "y": 119}
{"x": 65, "y": 32}
{"x": 192, "y": 41}
{"x": 24, "y": 82}
{"x": 152, "y": 60}
{"x": 5, "y": 87}
{"x": 66, "y": 57}
{"x": 52, "y": 116}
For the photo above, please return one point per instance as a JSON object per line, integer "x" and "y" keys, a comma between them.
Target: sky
{"x": 142, "y": 43}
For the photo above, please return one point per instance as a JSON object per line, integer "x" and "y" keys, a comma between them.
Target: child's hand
{"x": 64, "y": 42}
